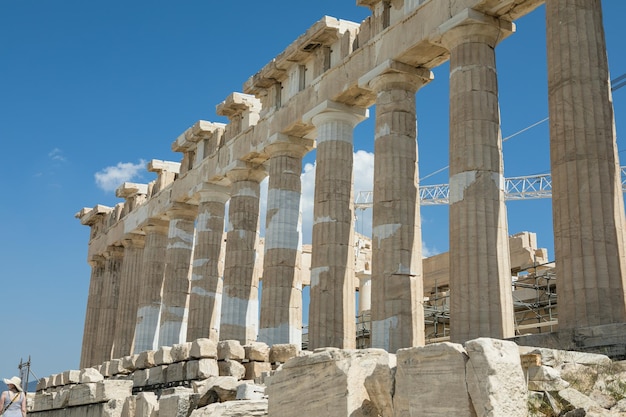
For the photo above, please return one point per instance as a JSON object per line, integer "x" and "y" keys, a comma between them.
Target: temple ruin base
{"x": 483, "y": 377}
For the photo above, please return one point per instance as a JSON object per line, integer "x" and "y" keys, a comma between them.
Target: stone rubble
{"x": 483, "y": 378}
{"x": 568, "y": 383}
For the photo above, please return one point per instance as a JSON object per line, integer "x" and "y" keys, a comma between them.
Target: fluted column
{"x": 332, "y": 308}
{"x": 587, "y": 200}
{"x": 365, "y": 292}
{"x": 397, "y": 282}
{"x": 114, "y": 256}
{"x": 173, "y": 325}
{"x": 480, "y": 273}
{"x": 281, "y": 298}
{"x": 240, "y": 304}
{"x": 205, "y": 300}
{"x": 149, "y": 305}
{"x": 130, "y": 279}
{"x": 87, "y": 356}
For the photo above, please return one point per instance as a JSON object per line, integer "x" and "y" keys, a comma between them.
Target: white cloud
{"x": 363, "y": 173}
{"x": 428, "y": 252}
{"x": 57, "y": 155}
{"x": 306, "y": 202}
{"x": 112, "y": 177}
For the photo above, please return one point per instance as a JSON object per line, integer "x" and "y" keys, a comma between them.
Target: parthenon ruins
{"x": 168, "y": 268}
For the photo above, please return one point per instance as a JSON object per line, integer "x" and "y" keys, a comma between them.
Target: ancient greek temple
{"x": 166, "y": 268}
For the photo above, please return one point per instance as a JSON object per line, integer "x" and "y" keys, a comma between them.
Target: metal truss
{"x": 515, "y": 188}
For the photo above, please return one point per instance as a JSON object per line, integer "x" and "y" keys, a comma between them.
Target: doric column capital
{"x": 396, "y": 75}
{"x": 247, "y": 173}
{"x": 472, "y": 26}
{"x": 96, "y": 260}
{"x": 134, "y": 241}
{"x": 156, "y": 225}
{"x": 331, "y": 111}
{"x": 280, "y": 145}
{"x": 113, "y": 252}
{"x": 182, "y": 211}
{"x": 213, "y": 193}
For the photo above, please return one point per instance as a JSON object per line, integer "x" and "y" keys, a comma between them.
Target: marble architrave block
{"x": 230, "y": 349}
{"x": 163, "y": 356}
{"x": 426, "y": 375}
{"x": 61, "y": 399}
{"x": 283, "y": 352}
{"x": 334, "y": 383}
{"x": 176, "y": 372}
{"x": 43, "y": 401}
{"x": 203, "y": 348}
{"x": 231, "y": 368}
{"x": 147, "y": 404}
{"x": 140, "y": 378}
{"x": 202, "y": 369}
{"x": 177, "y": 402}
{"x": 145, "y": 359}
{"x": 181, "y": 351}
{"x": 257, "y": 351}
{"x": 82, "y": 394}
{"x": 157, "y": 375}
{"x": 495, "y": 378}
{"x": 255, "y": 370}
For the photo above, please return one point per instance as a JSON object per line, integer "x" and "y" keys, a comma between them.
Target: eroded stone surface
{"x": 427, "y": 374}
{"x": 257, "y": 351}
{"x": 203, "y": 348}
{"x": 495, "y": 379}
{"x": 331, "y": 382}
{"x": 230, "y": 349}
{"x": 256, "y": 408}
{"x": 231, "y": 368}
{"x": 283, "y": 352}
{"x": 545, "y": 378}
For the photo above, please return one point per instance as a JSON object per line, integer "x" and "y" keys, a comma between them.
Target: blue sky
{"x": 90, "y": 91}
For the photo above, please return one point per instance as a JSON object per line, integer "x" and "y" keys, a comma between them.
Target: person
{"x": 13, "y": 401}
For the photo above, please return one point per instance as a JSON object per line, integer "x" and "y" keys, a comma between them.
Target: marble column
{"x": 114, "y": 256}
{"x": 365, "y": 292}
{"x": 480, "y": 273}
{"x": 87, "y": 356}
{"x": 205, "y": 300}
{"x": 587, "y": 198}
{"x": 149, "y": 304}
{"x": 176, "y": 278}
{"x": 397, "y": 282}
{"x": 281, "y": 297}
{"x": 129, "y": 295}
{"x": 332, "y": 308}
{"x": 240, "y": 305}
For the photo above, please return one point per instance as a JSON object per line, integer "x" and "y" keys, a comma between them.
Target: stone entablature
{"x": 339, "y": 83}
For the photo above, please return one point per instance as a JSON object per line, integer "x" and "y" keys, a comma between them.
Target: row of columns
{"x": 587, "y": 203}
